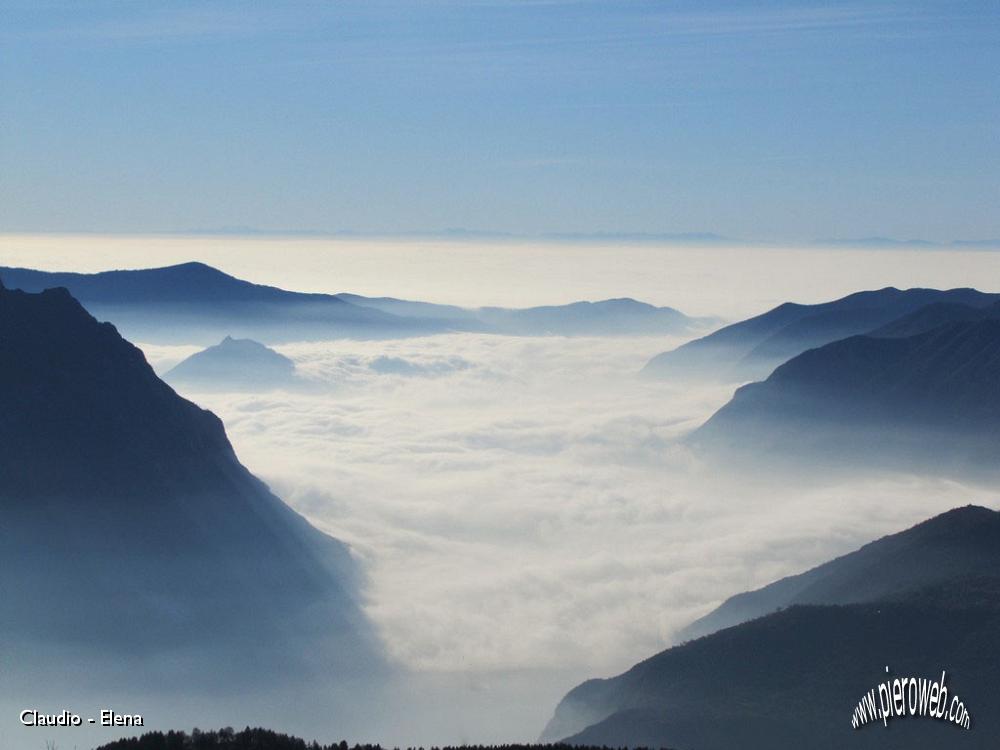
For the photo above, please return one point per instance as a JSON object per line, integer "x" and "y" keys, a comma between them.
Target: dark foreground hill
{"x": 264, "y": 739}
{"x": 752, "y": 348}
{"x": 193, "y": 302}
{"x": 930, "y": 401}
{"x": 793, "y": 678}
{"x": 234, "y": 364}
{"x": 131, "y": 530}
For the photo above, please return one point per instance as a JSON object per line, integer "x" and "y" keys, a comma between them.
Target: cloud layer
{"x": 528, "y": 507}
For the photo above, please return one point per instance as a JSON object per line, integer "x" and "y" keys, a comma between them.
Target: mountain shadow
{"x": 794, "y": 677}
{"x": 751, "y": 349}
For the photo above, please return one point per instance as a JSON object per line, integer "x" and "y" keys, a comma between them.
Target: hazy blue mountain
{"x": 608, "y": 317}
{"x": 930, "y": 401}
{"x": 604, "y": 318}
{"x": 752, "y": 348}
{"x": 131, "y": 530}
{"x": 195, "y": 302}
{"x": 962, "y": 543}
{"x": 792, "y": 678}
{"x": 234, "y": 364}
{"x": 464, "y": 318}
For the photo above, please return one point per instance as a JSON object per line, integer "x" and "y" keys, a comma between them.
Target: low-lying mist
{"x": 526, "y": 514}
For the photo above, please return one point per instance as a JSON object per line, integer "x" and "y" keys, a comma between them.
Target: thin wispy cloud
{"x": 144, "y": 24}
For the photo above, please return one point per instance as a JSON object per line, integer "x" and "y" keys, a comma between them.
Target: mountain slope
{"x": 792, "y": 678}
{"x": 960, "y": 543}
{"x": 932, "y": 316}
{"x": 750, "y": 349}
{"x": 930, "y": 400}
{"x": 234, "y": 364}
{"x": 132, "y": 530}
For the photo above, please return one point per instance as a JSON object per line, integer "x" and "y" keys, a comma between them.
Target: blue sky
{"x": 770, "y": 121}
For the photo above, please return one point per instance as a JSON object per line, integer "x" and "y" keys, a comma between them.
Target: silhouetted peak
{"x": 195, "y": 271}
{"x": 72, "y": 386}
{"x": 194, "y": 266}
{"x": 957, "y": 519}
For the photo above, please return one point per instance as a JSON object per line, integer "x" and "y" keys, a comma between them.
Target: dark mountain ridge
{"x": 131, "y": 529}
{"x": 958, "y": 544}
{"x": 931, "y": 400}
{"x": 750, "y": 349}
{"x": 793, "y": 677}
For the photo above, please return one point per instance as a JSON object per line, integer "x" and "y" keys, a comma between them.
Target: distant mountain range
{"x": 131, "y": 530}
{"x": 792, "y": 678}
{"x": 193, "y": 302}
{"x": 751, "y": 349}
{"x": 234, "y": 364}
{"x": 625, "y": 236}
{"x": 929, "y": 400}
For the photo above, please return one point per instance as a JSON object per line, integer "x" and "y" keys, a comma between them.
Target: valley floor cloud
{"x": 523, "y": 503}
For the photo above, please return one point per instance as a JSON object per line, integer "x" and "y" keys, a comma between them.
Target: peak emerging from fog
{"x": 235, "y": 364}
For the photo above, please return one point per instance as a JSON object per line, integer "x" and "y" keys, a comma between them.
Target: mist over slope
{"x": 131, "y": 530}
{"x": 793, "y": 678}
{"x": 234, "y": 364}
{"x": 928, "y": 402}
{"x": 961, "y": 543}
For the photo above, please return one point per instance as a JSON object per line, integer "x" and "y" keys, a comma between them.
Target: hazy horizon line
{"x": 464, "y": 233}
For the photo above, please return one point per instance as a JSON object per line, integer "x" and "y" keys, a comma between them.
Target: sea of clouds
{"x": 523, "y": 508}
{"x": 525, "y": 503}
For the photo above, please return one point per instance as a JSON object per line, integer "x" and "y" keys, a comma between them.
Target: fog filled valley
{"x": 528, "y": 504}
{"x": 522, "y": 512}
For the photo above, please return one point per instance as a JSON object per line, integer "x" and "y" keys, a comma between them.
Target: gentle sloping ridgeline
{"x": 751, "y": 349}
{"x": 928, "y": 402}
{"x": 959, "y": 544}
{"x": 793, "y": 677}
{"x": 195, "y": 303}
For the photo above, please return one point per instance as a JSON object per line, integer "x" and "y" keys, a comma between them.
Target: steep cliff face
{"x": 130, "y": 526}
